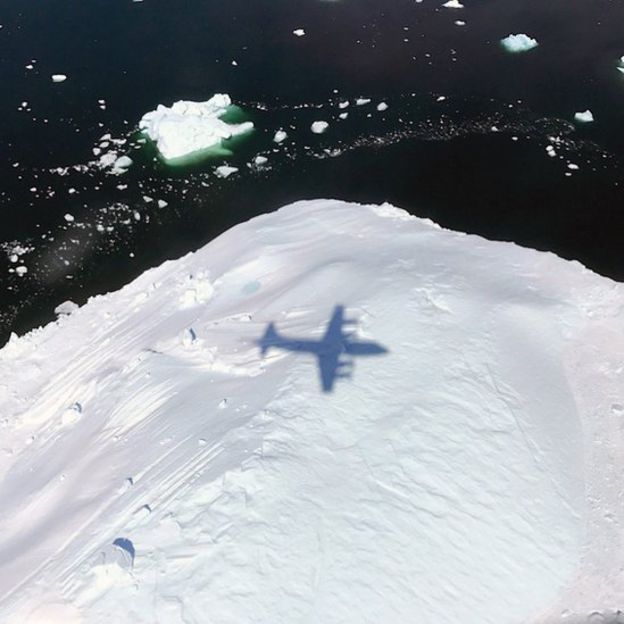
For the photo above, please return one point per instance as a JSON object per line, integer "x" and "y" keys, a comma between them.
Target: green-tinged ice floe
{"x": 189, "y": 132}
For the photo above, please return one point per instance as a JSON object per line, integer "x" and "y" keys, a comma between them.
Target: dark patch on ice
{"x": 330, "y": 350}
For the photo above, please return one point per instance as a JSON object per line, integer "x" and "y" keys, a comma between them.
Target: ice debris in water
{"x": 188, "y": 127}
{"x": 59, "y": 77}
{"x": 318, "y": 127}
{"x": 280, "y": 136}
{"x": 224, "y": 171}
{"x": 453, "y": 4}
{"x": 519, "y": 43}
{"x": 299, "y": 32}
{"x": 584, "y": 116}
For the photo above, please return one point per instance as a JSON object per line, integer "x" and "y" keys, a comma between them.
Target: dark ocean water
{"x": 474, "y": 161}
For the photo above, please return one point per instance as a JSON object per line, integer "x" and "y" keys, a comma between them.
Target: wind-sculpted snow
{"x": 163, "y": 459}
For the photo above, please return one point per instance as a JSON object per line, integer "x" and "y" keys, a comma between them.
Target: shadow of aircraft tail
{"x": 270, "y": 339}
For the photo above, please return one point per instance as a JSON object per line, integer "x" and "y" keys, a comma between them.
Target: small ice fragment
{"x": 21, "y": 270}
{"x": 224, "y": 171}
{"x": 343, "y": 115}
{"x": 299, "y": 32}
{"x": 162, "y": 203}
{"x": 573, "y": 166}
{"x": 260, "y": 160}
{"x": 518, "y": 43}
{"x": 361, "y": 101}
{"x": 69, "y": 217}
{"x": 318, "y": 127}
{"x": 459, "y": 23}
{"x": 280, "y": 136}
{"x": 122, "y": 163}
{"x": 147, "y": 199}
{"x": 584, "y": 116}
{"x": 343, "y": 104}
{"x": 59, "y": 77}
{"x": 453, "y": 4}
{"x": 382, "y": 106}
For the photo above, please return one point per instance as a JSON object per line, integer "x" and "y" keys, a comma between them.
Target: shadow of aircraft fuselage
{"x": 329, "y": 349}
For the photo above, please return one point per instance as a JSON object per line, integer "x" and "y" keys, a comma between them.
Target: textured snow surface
{"x": 155, "y": 468}
{"x": 189, "y": 127}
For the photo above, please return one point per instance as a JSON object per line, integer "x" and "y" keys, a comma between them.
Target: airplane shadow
{"x": 335, "y": 351}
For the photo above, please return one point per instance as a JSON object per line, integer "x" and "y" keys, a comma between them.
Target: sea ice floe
{"x": 621, "y": 66}
{"x": 453, "y": 4}
{"x": 189, "y": 127}
{"x": 318, "y": 127}
{"x": 299, "y": 32}
{"x": 519, "y": 43}
{"x": 224, "y": 171}
{"x": 280, "y": 136}
{"x": 382, "y": 106}
{"x": 584, "y": 116}
{"x": 122, "y": 164}
{"x": 59, "y": 77}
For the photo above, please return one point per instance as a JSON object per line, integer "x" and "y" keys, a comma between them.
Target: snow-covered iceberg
{"x": 187, "y": 127}
{"x": 168, "y": 451}
{"x": 519, "y": 43}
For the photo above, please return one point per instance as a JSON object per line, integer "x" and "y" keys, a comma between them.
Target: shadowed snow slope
{"x": 155, "y": 467}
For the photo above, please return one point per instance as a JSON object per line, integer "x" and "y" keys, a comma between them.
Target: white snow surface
{"x": 519, "y": 43}
{"x": 189, "y": 127}
{"x": 155, "y": 468}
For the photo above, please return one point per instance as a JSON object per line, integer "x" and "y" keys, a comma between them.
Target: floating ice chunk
{"x": 519, "y": 43}
{"x": 453, "y": 4}
{"x": 459, "y": 23}
{"x": 343, "y": 115}
{"x": 280, "y": 136}
{"x": 362, "y": 101}
{"x": 162, "y": 203}
{"x": 299, "y": 32}
{"x": 189, "y": 127}
{"x": 69, "y": 217}
{"x": 21, "y": 270}
{"x": 318, "y": 127}
{"x": 344, "y": 104}
{"x": 260, "y": 160}
{"x": 225, "y": 170}
{"x": 382, "y": 106}
{"x": 584, "y": 116}
{"x": 122, "y": 164}
{"x": 59, "y": 77}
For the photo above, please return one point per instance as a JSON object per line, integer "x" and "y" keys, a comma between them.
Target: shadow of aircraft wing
{"x": 332, "y": 368}
{"x": 364, "y": 348}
